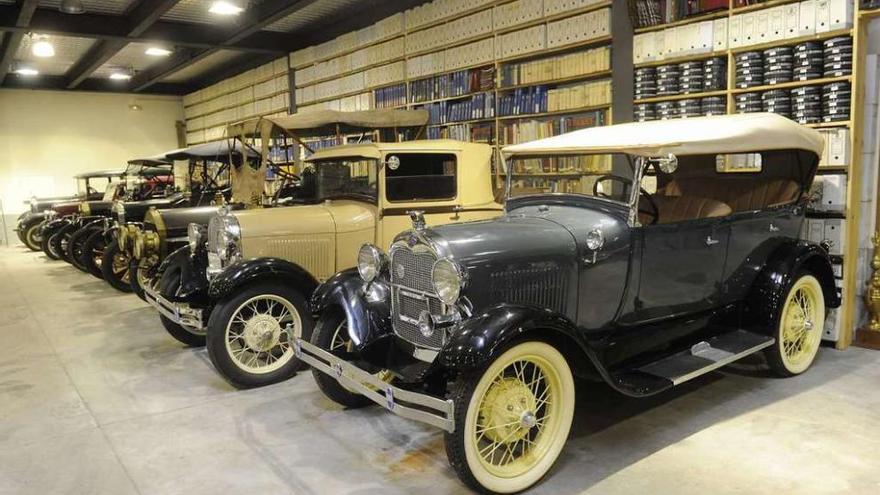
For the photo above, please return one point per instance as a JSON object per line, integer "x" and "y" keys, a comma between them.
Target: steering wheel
{"x": 654, "y": 212}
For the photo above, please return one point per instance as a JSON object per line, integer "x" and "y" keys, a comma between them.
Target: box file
{"x": 719, "y": 35}
{"x": 776, "y": 30}
{"x": 835, "y": 235}
{"x": 829, "y": 192}
{"x": 735, "y": 31}
{"x": 807, "y": 13}
{"x": 840, "y": 14}
{"x": 706, "y": 33}
{"x": 823, "y": 16}
{"x": 791, "y": 15}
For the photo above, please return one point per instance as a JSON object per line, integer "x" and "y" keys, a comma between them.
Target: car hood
{"x": 176, "y": 220}
{"x": 329, "y": 217}
{"x": 514, "y": 258}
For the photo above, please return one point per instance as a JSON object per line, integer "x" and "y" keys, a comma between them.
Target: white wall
{"x": 48, "y": 136}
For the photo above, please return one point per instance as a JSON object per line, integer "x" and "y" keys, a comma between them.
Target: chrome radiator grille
{"x": 412, "y": 293}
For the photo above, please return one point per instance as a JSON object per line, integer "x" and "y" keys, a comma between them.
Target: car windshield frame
{"x": 319, "y": 166}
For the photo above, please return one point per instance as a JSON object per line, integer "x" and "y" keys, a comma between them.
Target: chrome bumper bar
{"x": 404, "y": 403}
{"x": 179, "y": 313}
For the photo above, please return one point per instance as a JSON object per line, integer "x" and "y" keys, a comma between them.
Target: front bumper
{"x": 179, "y": 313}
{"x": 405, "y": 403}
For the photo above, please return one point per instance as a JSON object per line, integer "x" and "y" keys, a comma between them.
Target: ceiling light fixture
{"x": 120, "y": 76}
{"x": 155, "y": 51}
{"x": 72, "y": 7}
{"x": 226, "y": 7}
{"x": 27, "y": 71}
{"x": 41, "y": 47}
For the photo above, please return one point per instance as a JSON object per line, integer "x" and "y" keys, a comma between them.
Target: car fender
{"x": 766, "y": 296}
{"x": 364, "y": 304}
{"x": 193, "y": 286}
{"x": 53, "y": 226}
{"x": 29, "y": 218}
{"x": 247, "y": 272}
{"x": 478, "y": 340}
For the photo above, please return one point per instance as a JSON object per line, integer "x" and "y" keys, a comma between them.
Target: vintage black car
{"x": 143, "y": 179}
{"x": 90, "y": 186}
{"x": 162, "y": 228}
{"x": 480, "y": 328}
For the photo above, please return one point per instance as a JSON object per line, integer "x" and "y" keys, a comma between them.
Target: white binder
{"x": 807, "y": 23}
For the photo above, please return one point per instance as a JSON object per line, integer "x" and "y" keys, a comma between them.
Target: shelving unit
{"x": 853, "y": 170}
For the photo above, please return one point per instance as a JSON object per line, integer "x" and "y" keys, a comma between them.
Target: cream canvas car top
{"x": 214, "y": 149}
{"x": 740, "y": 133}
{"x": 317, "y": 122}
{"x": 150, "y": 160}
{"x": 375, "y": 150}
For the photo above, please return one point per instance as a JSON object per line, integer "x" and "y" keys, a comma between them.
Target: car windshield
{"x": 110, "y": 191}
{"x": 338, "y": 178}
{"x": 603, "y": 176}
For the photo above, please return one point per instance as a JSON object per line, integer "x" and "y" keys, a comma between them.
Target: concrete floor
{"x": 95, "y": 398}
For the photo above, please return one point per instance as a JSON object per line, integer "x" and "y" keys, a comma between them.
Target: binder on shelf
{"x": 734, "y": 30}
{"x": 791, "y": 17}
{"x": 807, "y": 12}
{"x": 777, "y": 23}
{"x": 762, "y": 26}
{"x": 719, "y": 34}
{"x": 823, "y": 16}
{"x": 841, "y": 14}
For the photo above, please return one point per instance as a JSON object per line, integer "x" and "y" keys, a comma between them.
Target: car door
{"x": 681, "y": 268}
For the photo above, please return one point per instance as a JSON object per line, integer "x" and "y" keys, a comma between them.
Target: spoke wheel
{"x": 250, "y": 335}
{"x": 114, "y": 267}
{"x": 512, "y": 420}
{"x": 31, "y": 236}
{"x": 799, "y": 332}
{"x": 331, "y": 334}
{"x": 93, "y": 253}
{"x": 139, "y": 271}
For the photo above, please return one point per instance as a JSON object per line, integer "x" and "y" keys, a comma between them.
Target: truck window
{"x": 420, "y": 176}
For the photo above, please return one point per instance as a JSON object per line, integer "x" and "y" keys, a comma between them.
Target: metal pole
{"x": 3, "y": 217}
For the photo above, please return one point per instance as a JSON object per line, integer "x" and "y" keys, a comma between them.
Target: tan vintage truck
{"x": 258, "y": 267}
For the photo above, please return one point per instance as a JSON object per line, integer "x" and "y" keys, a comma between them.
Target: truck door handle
{"x": 710, "y": 241}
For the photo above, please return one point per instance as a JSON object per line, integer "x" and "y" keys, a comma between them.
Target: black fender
{"x": 51, "y": 227}
{"x": 366, "y": 305}
{"x": 193, "y": 288}
{"x": 243, "y": 273}
{"x": 766, "y": 296}
{"x": 29, "y": 218}
{"x": 478, "y": 340}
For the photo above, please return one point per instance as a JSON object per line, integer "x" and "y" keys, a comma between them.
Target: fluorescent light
{"x": 120, "y": 76}
{"x": 155, "y": 51}
{"x": 27, "y": 71}
{"x": 43, "y": 49}
{"x": 222, "y": 7}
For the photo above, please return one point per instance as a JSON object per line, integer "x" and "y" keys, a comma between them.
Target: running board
{"x": 708, "y": 356}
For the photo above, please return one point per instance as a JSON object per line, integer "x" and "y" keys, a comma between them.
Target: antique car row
{"x": 423, "y": 276}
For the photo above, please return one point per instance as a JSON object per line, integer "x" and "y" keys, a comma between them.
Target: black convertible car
{"x": 655, "y": 253}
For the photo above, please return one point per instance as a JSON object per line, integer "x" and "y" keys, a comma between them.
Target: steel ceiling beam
{"x": 110, "y": 27}
{"x": 22, "y": 18}
{"x": 93, "y": 84}
{"x": 140, "y": 17}
{"x": 252, "y": 21}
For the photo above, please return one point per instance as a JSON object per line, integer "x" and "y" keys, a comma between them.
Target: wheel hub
{"x": 508, "y": 411}
{"x": 262, "y": 332}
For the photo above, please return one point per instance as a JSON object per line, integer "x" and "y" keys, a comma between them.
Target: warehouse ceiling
{"x": 164, "y": 46}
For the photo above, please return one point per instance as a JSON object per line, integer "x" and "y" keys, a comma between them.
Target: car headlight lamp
{"x": 595, "y": 239}
{"x": 370, "y": 262}
{"x": 448, "y": 280}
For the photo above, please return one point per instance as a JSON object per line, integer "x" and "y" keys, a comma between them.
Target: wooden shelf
{"x": 556, "y": 49}
{"x": 556, "y": 82}
{"x": 832, "y": 169}
{"x": 450, "y": 98}
{"x": 825, "y": 125}
{"x": 792, "y": 84}
{"x": 869, "y": 14}
{"x": 682, "y": 59}
{"x": 549, "y": 174}
{"x": 554, "y": 17}
{"x": 793, "y": 41}
{"x": 708, "y": 16}
{"x": 704, "y": 94}
{"x": 461, "y": 122}
{"x": 763, "y": 5}
{"x": 352, "y": 50}
{"x": 350, "y": 72}
{"x": 556, "y": 112}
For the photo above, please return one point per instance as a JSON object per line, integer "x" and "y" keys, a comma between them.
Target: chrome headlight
{"x": 146, "y": 244}
{"x": 448, "y": 280}
{"x": 370, "y": 262}
{"x": 595, "y": 239}
{"x": 194, "y": 235}
{"x": 227, "y": 244}
{"x": 50, "y": 214}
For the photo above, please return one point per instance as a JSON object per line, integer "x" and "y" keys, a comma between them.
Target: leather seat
{"x": 680, "y": 208}
{"x": 744, "y": 194}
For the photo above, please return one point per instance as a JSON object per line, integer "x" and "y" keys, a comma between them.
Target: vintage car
{"x": 142, "y": 179}
{"x": 203, "y": 188}
{"x": 683, "y": 258}
{"x": 178, "y": 288}
{"x": 89, "y": 187}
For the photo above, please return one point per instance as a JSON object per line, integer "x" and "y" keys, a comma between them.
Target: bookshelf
{"x": 726, "y": 42}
